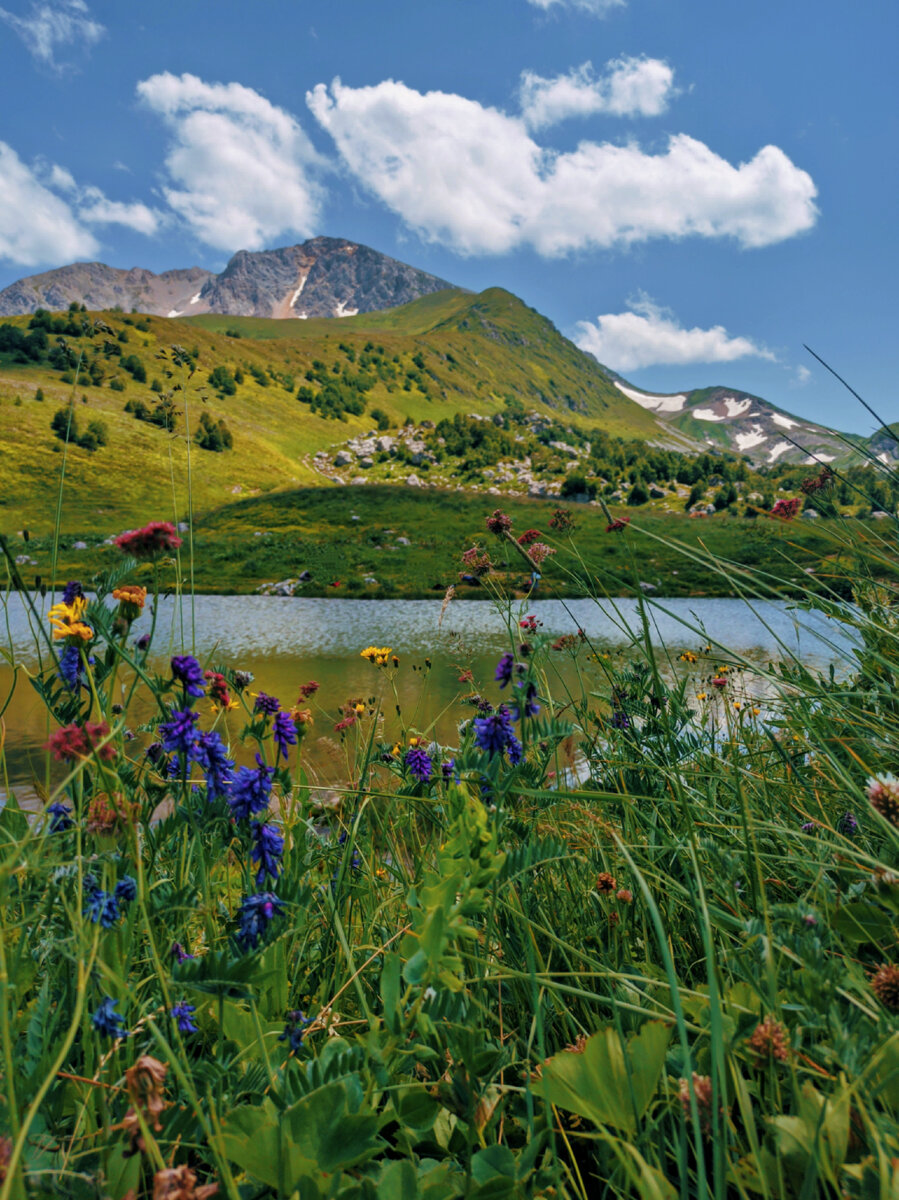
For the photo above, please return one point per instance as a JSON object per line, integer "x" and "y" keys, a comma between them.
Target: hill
{"x": 322, "y": 277}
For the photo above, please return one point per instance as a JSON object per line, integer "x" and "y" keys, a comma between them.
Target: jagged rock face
{"x": 100, "y": 287}
{"x": 323, "y": 277}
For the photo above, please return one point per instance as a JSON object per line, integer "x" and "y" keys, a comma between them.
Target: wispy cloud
{"x": 49, "y": 28}
{"x": 472, "y": 178}
{"x": 595, "y": 8}
{"x": 649, "y": 335}
{"x": 242, "y": 170}
{"x": 628, "y": 87}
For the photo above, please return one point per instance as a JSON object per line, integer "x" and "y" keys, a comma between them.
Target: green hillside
{"x": 280, "y": 390}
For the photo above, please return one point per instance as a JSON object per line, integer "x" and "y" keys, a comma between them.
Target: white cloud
{"x": 243, "y": 169}
{"x": 803, "y": 375}
{"x": 650, "y": 335}
{"x": 596, "y": 8}
{"x": 628, "y": 86}
{"x": 471, "y": 177}
{"x": 38, "y": 226}
{"x": 49, "y": 27}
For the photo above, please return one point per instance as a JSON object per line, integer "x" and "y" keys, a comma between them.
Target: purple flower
{"x": 251, "y": 790}
{"x": 809, "y": 827}
{"x": 72, "y": 591}
{"x": 266, "y": 704}
{"x": 294, "y": 1029}
{"x": 179, "y": 733}
{"x": 495, "y": 735}
{"x": 209, "y": 752}
{"x": 102, "y": 907}
{"x": 254, "y": 915}
{"x": 61, "y": 817}
{"x": 504, "y": 669}
{"x": 620, "y": 719}
{"x": 126, "y": 889}
{"x": 268, "y": 846}
{"x": 70, "y": 668}
{"x": 183, "y": 1014}
{"x": 188, "y": 672}
{"x": 530, "y": 707}
{"x": 847, "y": 825}
{"x": 143, "y": 642}
{"x": 284, "y": 732}
{"x": 418, "y": 764}
{"x": 447, "y": 769}
{"x": 177, "y": 951}
{"x": 107, "y": 1021}
{"x": 355, "y": 861}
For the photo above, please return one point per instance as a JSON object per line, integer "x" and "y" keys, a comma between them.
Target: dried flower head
{"x": 769, "y": 1040}
{"x": 562, "y": 521}
{"x": 145, "y": 1084}
{"x": 702, "y": 1090}
{"x": 605, "y": 883}
{"x": 499, "y": 522}
{"x": 885, "y": 986}
{"x": 883, "y": 793}
{"x": 106, "y": 814}
{"x": 180, "y": 1183}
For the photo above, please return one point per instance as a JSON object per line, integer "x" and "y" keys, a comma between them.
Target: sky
{"x": 691, "y": 190}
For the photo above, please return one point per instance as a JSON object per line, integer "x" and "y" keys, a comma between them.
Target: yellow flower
{"x": 756, "y": 711}
{"x": 737, "y": 705}
{"x": 379, "y": 655}
{"x": 360, "y": 708}
{"x": 302, "y": 716}
{"x": 66, "y": 620}
{"x": 701, "y": 695}
{"x": 131, "y": 596}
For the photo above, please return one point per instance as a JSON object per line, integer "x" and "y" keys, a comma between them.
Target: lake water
{"x": 287, "y": 641}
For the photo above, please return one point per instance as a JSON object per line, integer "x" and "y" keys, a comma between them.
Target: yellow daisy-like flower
{"x": 66, "y": 620}
{"x": 701, "y": 695}
{"x": 132, "y": 597}
{"x": 360, "y": 708}
{"x": 379, "y": 655}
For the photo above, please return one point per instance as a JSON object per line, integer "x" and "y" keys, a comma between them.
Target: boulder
{"x": 79, "y": 545}
{"x": 413, "y": 481}
{"x": 342, "y": 458}
{"x": 365, "y": 463}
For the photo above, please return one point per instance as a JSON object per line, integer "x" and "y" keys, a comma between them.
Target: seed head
{"x": 885, "y": 986}
{"x": 770, "y": 1041}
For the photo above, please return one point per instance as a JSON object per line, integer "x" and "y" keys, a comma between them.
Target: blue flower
{"x": 72, "y": 591}
{"x": 356, "y": 861}
{"x": 70, "y": 668}
{"x": 188, "y": 672}
{"x": 254, "y": 916}
{"x": 504, "y": 669}
{"x": 177, "y": 951}
{"x": 495, "y": 735}
{"x": 418, "y": 764}
{"x": 179, "y": 732}
{"x": 295, "y": 1029}
{"x": 61, "y": 817}
{"x": 284, "y": 732}
{"x": 530, "y": 707}
{"x": 101, "y": 906}
{"x": 620, "y": 719}
{"x": 126, "y": 889}
{"x": 251, "y": 790}
{"x": 447, "y": 769}
{"x": 268, "y": 846}
{"x": 266, "y": 704}
{"x": 183, "y": 1014}
{"x": 209, "y": 752}
{"x": 107, "y": 1021}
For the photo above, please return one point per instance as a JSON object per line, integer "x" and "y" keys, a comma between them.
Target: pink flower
{"x": 156, "y": 538}
{"x": 786, "y": 509}
{"x": 72, "y": 742}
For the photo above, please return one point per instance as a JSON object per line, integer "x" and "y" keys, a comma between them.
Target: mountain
{"x": 323, "y": 277}
{"x": 728, "y": 419}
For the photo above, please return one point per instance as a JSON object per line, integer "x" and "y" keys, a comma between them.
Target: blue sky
{"x": 689, "y": 190}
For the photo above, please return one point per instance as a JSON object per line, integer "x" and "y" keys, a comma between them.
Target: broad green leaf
{"x": 327, "y": 1130}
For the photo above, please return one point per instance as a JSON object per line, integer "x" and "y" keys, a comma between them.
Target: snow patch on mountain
{"x": 784, "y": 422}
{"x": 707, "y": 414}
{"x": 654, "y": 403}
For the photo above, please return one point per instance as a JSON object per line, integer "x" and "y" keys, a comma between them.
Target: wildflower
{"x": 72, "y": 742}
{"x": 308, "y": 689}
{"x": 131, "y": 598}
{"x": 72, "y": 591}
{"x": 254, "y": 915}
{"x": 242, "y": 679}
{"x": 179, "y": 733}
{"x": 465, "y": 677}
{"x": 562, "y": 521}
{"x": 504, "y": 669}
{"x": 61, "y": 818}
{"x": 538, "y": 553}
{"x": 617, "y": 524}
{"x": 345, "y": 723}
{"x": 294, "y": 1030}
{"x": 105, "y": 814}
{"x": 529, "y": 537}
{"x": 605, "y": 883}
{"x": 847, "y": 825}
{"x": 178, "y": 952}
{"x": 529, "y": 624}
{"x": 107, "y": 1021}
{"x": 477, "y": 562}
{"x": 284, "y": 733}
{"x": 126, "y": 889}
{"x": 885, "y": 986}
{"x": 218, "y": 689}
{"x": 787, "y": 509}
{"x": 809, "y": 827}
{"x": 529, "y": 707}
{"x": 702, "y": 695}
{"x": 494, "y": 734}
{"x": 815, "y": 483}
{"x": 71, "y": 669}
{"x": 145, "y": 1082}
{"x": 156, "y": 538}
{"x": 251, "y": 790}
{"x": 447, "y": 769}
{"x": 355, "y": 861}
{"x": 301, "y": 717}
{"x": 883, "y": 793}
{"x": 268, "y": 846}
{"x": 719, "y": 682}
{"x": 702, "y": 1090}
{"x": 498, "y": 522}
{"x": 770, "y": 1040}
{"x": 625, "y": 895}
{"x": 209, "y": 753}
{"x": 143, "y": 642}
{"x": 102, "y": 907}
{"x": 620, "y": 719}
{"x": 418, "y": 764}
{"x": 377, "y": 655}
{"x": 183, "y": 1014}
{"x": 180, "y": 1183}
{"x": 66, "y": 620}
{"x": 188, "y": 672}
{"x": 267, "y": 705}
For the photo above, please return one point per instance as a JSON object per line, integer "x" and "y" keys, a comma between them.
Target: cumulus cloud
{"x": 242, "y": 170}
{"x": 471, "y": 177}
{"x": 39, "y": 225}
{"x": 649, "y": 336}
{"x": 596, "y": 8}
{"x": 628, "y": 87}
{"x": 50, "y": 27}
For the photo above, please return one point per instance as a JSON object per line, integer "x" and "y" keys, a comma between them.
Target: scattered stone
{"x": 811, "y": 514}
{"x": 183, "y": 527}
{"x": 413, "y": 481}
{"x": 79, "y": 545}
{"x": 403, "y": 541}
{"x": 648, "y": 587}
{"x": 564, "y": 448}
{"x": 358, "y": 479}
{"x": 366, "y": 463}
{"x": 23, "y": 560}
{"x": 304, "y": 576}
{"x": 878, "y": 514}
{"x": 343, "y": 458}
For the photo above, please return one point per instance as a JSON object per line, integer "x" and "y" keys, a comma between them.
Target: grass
{"x": 626, "y": 941}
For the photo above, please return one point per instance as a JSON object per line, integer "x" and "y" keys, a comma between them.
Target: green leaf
{"x": 610, "y": 1083}
{"x": 326, "y": 1129}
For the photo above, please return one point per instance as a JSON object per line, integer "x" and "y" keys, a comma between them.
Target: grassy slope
{"x": 349, "y": 533}
{"x": 499, "y": 348}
